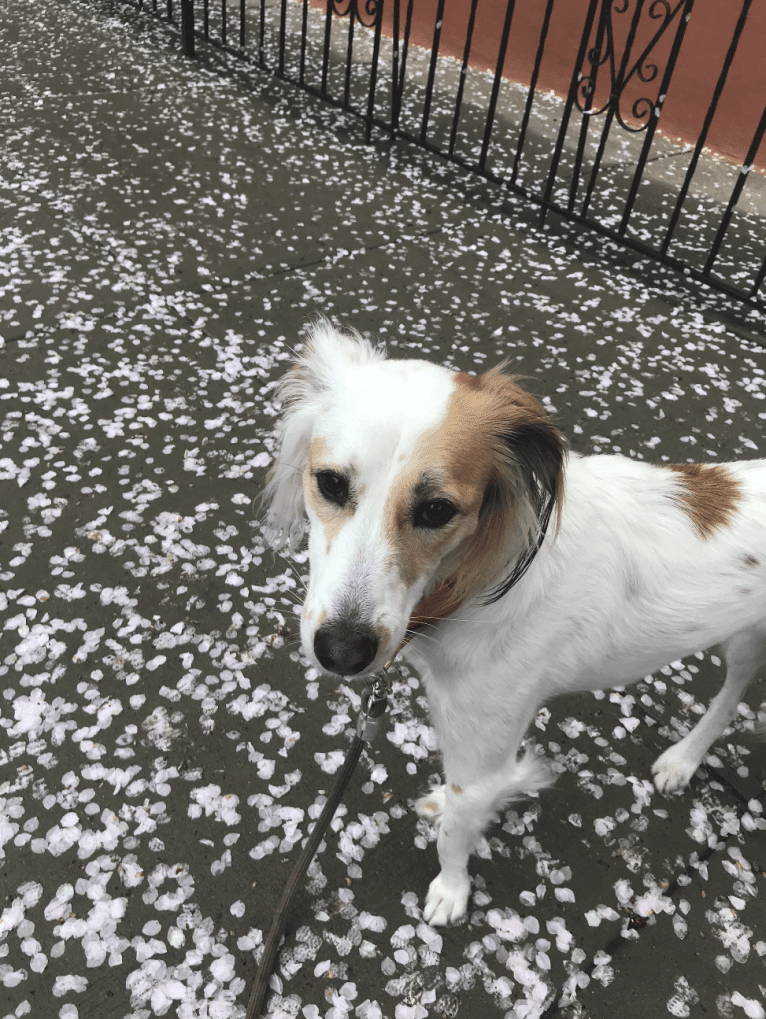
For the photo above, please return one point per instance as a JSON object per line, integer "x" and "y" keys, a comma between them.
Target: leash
{"x": 374, "y": 704}
{"x": 441, "y": 602}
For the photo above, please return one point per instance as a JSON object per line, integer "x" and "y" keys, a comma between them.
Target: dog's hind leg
{"x": 745, "y": 653}
{"x": 462, "y": 808}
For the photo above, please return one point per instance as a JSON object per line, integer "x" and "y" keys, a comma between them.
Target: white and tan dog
{"x": 429, "y": 491}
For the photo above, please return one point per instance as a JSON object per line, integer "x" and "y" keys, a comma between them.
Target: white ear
{"x": 321, "y": 371}
{"x": 285, "y": 522}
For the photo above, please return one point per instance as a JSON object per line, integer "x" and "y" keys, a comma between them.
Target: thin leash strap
{"x": 440, "y": 603}
{"x": 261, "y": 986}
{"x": 374, "y": 703}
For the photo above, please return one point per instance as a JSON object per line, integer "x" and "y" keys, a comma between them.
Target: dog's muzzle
{"x": 345, "y": 648}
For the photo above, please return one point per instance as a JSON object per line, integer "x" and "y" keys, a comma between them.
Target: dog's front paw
{"x": 431, "y": 807}
{"x": 447, "y": 899}
{"x": 673, "y": 770}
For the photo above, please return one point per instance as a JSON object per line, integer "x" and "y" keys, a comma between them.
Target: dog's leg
{"x": 431, "y": 806}
{"x": 462, "y": 808}
{"x": 745, "y": 653}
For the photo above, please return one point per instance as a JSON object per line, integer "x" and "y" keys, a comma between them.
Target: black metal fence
{"x": 584, "y": 157}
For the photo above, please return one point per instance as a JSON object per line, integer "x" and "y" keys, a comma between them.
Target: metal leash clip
{"x": 374, "y": 704}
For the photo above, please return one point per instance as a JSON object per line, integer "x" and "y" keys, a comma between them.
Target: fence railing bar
{"x": 223, "y": 22}
{"x": 187, "y": 27}
{"x": 618, "y": 82}
{"x": 496, "y": 83}
{"x": 326, "y": 53}
{"x": 398, "y": 85}
{"x": 463, "y": 73}
{"x": 242, "y": 16}
{"x": 744, "y": 170}
{"x": 394, "y": 64}
{"x": 349, "y": 51}
{"x": 432, "y": 69}
{"x": 531, "y": 93}
{"x": 304, "y": 40}
{"x": 206, "y": 18}
{"x": 262, "y": 35}
{"x": 738, "y": 29}
{"x": 605, "y": 131}
{"x": 576, "y": 76}
{"x": 374, "y": 70}
{"x": 282, "y": 36}
{"x": 596, "y": 61}
{"x": 656, "y": 109}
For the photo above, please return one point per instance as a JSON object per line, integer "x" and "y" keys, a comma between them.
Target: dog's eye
{"x": 333, "y": 487}
{"x": 435, "y": 513}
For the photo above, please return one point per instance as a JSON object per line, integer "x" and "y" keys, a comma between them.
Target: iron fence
{"x": 588, "y": 151}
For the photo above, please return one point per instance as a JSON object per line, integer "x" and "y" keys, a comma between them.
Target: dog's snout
{"x": 345, "y": 648}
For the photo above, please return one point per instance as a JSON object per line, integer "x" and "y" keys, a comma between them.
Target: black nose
{"x": 345, "y": 648}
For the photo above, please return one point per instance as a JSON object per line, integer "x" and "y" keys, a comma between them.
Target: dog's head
{"x": 422, "y": 487}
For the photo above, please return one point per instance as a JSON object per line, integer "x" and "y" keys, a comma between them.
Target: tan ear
{"x": 525, "y": 488}
{"x": 532, "y": 480}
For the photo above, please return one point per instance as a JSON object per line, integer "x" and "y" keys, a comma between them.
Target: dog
{"x": 448, "y": 520}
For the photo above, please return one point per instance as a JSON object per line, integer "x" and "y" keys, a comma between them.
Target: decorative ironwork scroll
{"x": 364, "y": 11}
{"x": 621, "y": 75}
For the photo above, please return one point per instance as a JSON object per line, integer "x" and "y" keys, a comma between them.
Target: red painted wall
{"x": 708, "y": 35}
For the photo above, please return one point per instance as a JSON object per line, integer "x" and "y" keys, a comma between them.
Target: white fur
{"x": 625, "y": 586}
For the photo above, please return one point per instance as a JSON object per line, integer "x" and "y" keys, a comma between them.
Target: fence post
{"x": 187, "y": 26}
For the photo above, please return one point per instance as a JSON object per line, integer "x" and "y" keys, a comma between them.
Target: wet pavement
{"x": 166, "y": 232}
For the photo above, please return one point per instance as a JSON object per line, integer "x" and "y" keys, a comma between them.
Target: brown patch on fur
{"x": 494, "y": 454}
{"x": 709, "y": 495}
{"x": 333, "y": 517}
{"x": 384, "y": 634}
{"x": 442, "y": 601}
{"x": 750, "y": 560}
{"x": 524, "y": 409}
{"x": 439, "y": 604}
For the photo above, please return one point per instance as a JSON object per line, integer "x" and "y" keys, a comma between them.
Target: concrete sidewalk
{"x": 165, "y": 234}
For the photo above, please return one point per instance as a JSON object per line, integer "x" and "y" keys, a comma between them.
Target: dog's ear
{"x": 319, "y": 371}
{"x": 525, "y": 489}
{"x": 282, "y": 496}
